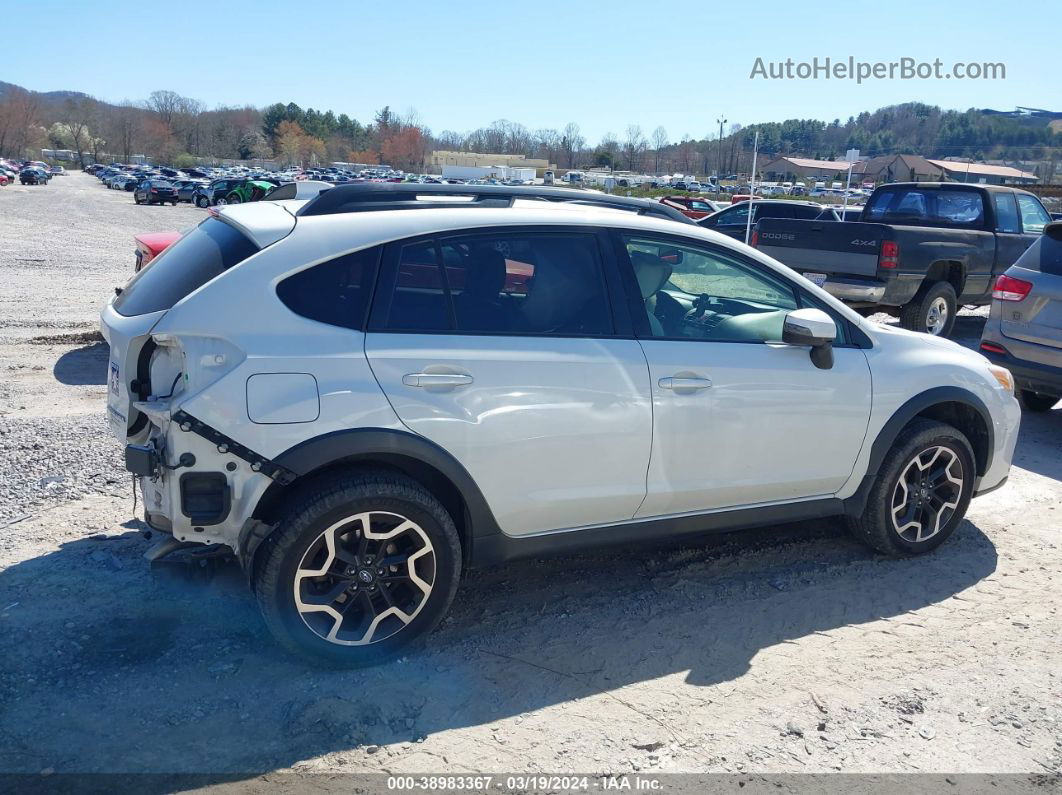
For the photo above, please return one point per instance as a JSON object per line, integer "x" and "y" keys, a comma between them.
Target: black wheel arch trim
{"x": 390, "y": 446}
{"x": 886, "y": 437}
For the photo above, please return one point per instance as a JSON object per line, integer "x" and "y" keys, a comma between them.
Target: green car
{"x": 250, "y": 190}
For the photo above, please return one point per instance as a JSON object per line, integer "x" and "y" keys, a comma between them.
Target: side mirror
{"x": 815, "y": 328}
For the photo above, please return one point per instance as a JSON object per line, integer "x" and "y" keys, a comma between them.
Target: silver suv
{"x": 363, "y": 394}
{"x": 1024, "y": 328}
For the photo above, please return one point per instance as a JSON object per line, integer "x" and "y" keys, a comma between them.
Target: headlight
{"x": 1003, "y": 375}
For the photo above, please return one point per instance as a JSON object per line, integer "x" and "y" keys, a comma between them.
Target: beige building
{"x": 782, "y": 168}
{"x": 439, "y": 158}
{"x": 896, "y": 168}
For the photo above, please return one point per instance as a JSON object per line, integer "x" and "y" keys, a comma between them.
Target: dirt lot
{"x": 787, "y": 650}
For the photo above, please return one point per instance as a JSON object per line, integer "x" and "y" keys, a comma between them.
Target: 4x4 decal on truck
{"x": 189, "y": 424}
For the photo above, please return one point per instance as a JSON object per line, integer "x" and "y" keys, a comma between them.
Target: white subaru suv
{"x": 365, "y": 393}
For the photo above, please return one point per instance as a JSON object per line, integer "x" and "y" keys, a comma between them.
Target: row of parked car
{"x": 28, "y": 172}
{"x": 170, "y": 186}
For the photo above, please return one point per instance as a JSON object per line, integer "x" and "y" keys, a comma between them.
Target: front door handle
{"x": 684, "y": 384}
{"x": 436, "y": 379}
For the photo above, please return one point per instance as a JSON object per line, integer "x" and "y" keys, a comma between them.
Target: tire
{"x": 1038, "y": 402}
{"x": 174, "y": 203}
{"x": 929, "y": 304}
{"x": 234, "y": 198}
{"x": 136, "y": 198}
{"x": 202, "y": 202}
{"x": 221, "y": 202}
{"x": 898, "y": 527}
{"x": 336, "y": 506}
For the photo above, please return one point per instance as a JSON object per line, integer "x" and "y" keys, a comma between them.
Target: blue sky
{"x": 462, "y": 64}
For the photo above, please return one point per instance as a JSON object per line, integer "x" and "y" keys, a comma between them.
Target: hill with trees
{"x": 180, "y": 130}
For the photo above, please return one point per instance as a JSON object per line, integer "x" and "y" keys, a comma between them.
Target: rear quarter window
{"x": 335, "y": 292}
{"x": 207, "y": 251}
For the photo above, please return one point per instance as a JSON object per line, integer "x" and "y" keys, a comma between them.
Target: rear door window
{"x": 1006, "y": 212}
{"x": 499, "y": 283}
{"x": 207, "y": 251}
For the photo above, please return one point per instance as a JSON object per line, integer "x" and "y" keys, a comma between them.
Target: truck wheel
{"x": 361, "y": 567}
{"x": 932, "y": 310}
{"x": 1037, "y": 401}
{"x": 920, "y": 493}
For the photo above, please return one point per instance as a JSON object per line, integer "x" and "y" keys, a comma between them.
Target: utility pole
{"x": 719, "y": 166}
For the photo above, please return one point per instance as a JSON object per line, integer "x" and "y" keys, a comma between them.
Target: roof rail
{"x": 366, "y": 197}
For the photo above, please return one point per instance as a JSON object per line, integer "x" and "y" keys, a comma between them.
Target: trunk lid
{"x": 1038, "y": 317}
{"x": 841, "y": 247}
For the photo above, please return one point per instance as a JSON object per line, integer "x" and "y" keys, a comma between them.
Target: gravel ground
{"x": 791, "y": 649}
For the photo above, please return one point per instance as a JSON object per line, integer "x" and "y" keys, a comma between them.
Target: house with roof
{"x": 896, "y": 168}
{"x": 788, "y": 168}
{"x": 984, "y": 174}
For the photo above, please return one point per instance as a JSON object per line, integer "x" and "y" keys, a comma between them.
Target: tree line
{"x": 181, "y": 131}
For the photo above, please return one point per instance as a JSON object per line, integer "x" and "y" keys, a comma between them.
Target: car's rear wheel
{"x": 221, "y": 202}
{"x": 921, "y": 491}
{"x": 932, "y": 310}
{"x": 361, "y": 567}
{"x": 136, "y": 199}
{"x": 202, "y": 202}
{"x": 1038, "y": 401}
{"x": 234, "y": 198}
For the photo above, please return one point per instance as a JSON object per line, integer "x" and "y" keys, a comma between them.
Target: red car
{"x": 690, "y": 206}
{"x": 150, "y": 245}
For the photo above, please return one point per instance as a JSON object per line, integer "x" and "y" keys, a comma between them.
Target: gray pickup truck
{"x": 918, "y": 251}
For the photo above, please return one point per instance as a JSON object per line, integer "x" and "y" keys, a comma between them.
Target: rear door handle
{"x": 679, "y": 384}
{"x": 436, "y": 379}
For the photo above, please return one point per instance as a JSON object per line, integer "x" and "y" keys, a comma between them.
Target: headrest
{"x": 486, "y": 274}
{"x": 652, "y": 272}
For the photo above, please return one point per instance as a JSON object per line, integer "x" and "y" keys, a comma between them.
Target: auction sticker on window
{"x": 818, "y": 279}
{"x": 114, "y": 379}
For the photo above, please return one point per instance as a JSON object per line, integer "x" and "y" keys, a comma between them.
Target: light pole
{"x": 719, "y": 166}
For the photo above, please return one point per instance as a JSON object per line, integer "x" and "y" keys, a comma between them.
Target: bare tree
{"x": 166, "y": 104}
{"x": 77, "y": 115}
{"x": 547, "y": 142}
{"x": 633, "y": 145}
{"x": 125, "y": 127}
{"x": 571, "y": 142}
{"x": 19, "y": 116}
{"x": 659, "y": 143}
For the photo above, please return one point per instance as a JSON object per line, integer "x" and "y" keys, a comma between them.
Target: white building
{"x": 488, "y": 172}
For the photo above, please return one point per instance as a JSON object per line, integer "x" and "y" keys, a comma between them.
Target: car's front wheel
{"x": 921, "y": 492}
{"x": 1038, "y": 401}
{"x": 202, "y": 201}
{"x": 361, "y": 566}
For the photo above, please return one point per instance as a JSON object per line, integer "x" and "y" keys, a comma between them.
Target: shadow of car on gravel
{"x": 85, "y": 366}
{"x": 108, "y": 667}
